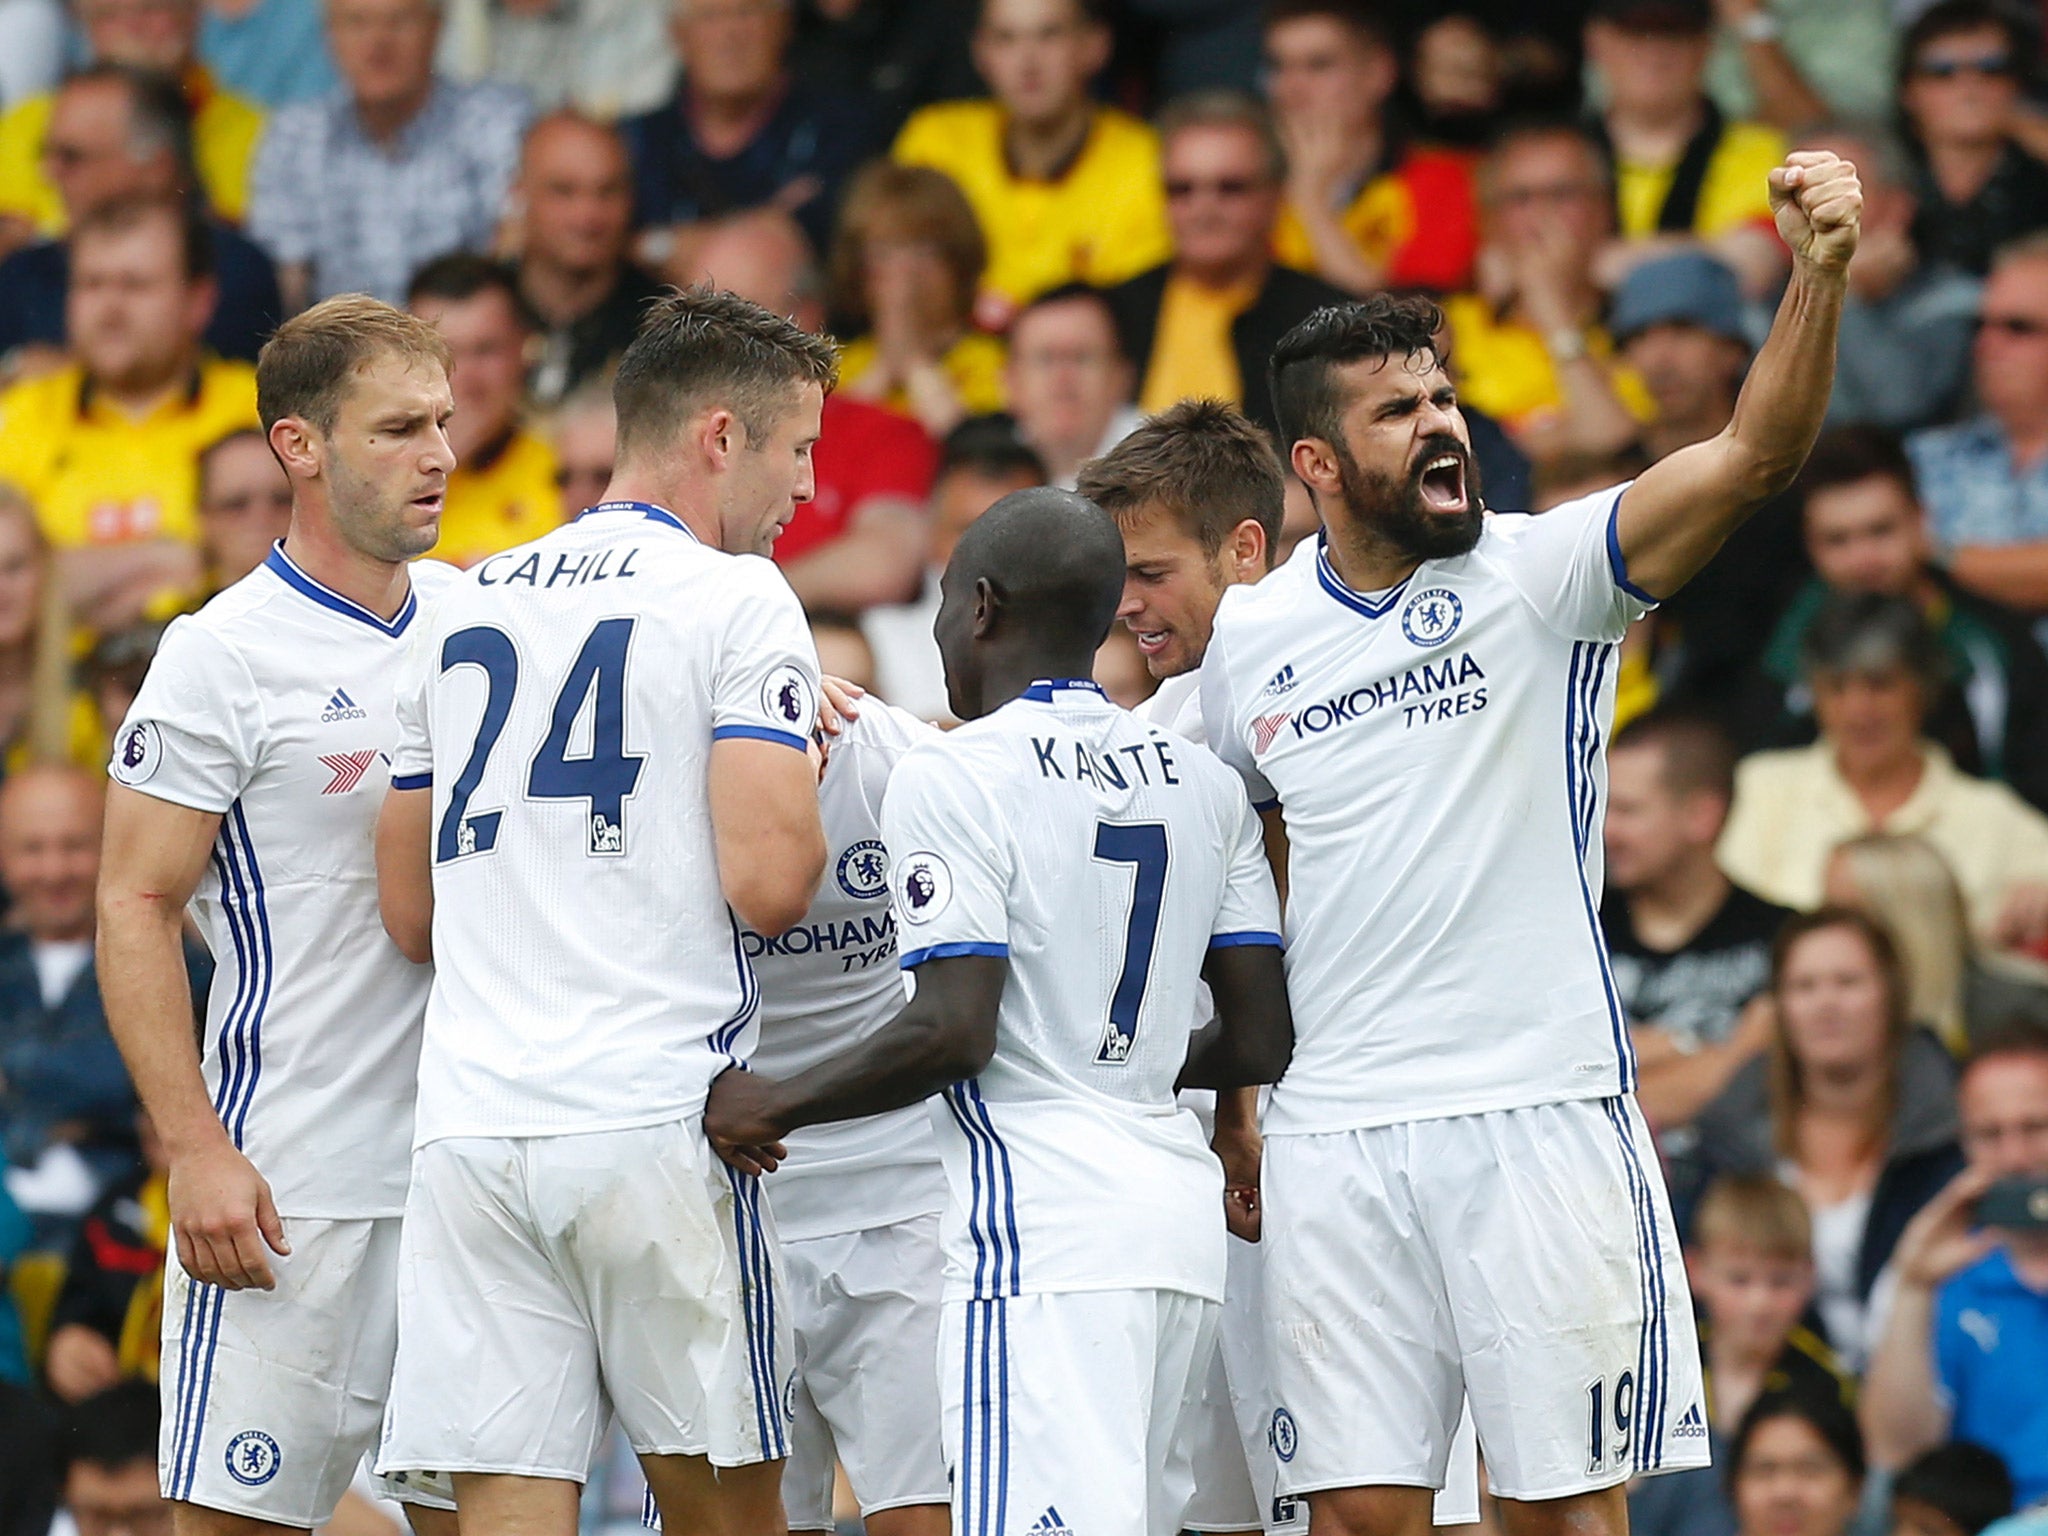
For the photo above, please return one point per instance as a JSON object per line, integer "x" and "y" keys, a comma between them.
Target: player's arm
{"x": 771, "y": 843}
{"x": 1674, "y": 518}
{"x": 405, "y": 871}
{"x": 1251, "y": 1039}
{"x": 221, "y": 1211}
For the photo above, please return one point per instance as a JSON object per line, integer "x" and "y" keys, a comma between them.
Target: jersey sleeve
{"x": 196, "y": 730}
{"x": 765, "y": 687}
{"x": 950, "y": 864}
{"x": 877, "y": 742}
{"x": 1250, "y": 910}
{"x": 412, "y": 757}
{"x": 1567, "y": 565}
{"x": 1220, "y": 725}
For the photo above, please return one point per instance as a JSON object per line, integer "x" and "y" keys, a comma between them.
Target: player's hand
{"x": 1240, "y": 1152}
{"x": 840, "y": 705}
{"x": 740, "y": 1124}
{"x": 1939, "y": 1242}
{"x": 1818, "y": 204}
{"x": 223, "y": 1218}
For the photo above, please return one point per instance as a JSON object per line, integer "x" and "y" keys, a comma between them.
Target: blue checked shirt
{"x": 1973, "y": 491}
{"x": 368, "y": 215}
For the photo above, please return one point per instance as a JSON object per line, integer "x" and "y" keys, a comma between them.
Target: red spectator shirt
{"x": 863, "y": 451}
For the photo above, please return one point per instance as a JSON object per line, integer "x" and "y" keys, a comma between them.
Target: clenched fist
{"x": 1818, "y": 203}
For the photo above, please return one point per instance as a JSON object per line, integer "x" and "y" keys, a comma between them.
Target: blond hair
{"x": 1905, "y": 883}
{"x": 1754, "y": 1211}
{"x": 305, "y": 368}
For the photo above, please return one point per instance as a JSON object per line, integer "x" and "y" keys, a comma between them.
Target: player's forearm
{"x": 1780, "y": 407}
{"x": 148, "y": 999}
{"x": 1252, "y": 1038}
{"x": 904, "y": 1063}
{"x": 1902, "y": 1413}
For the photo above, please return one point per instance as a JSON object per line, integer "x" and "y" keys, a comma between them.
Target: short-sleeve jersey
{"x": 1437, "y": 751}
{"x": 273, "y": 707}
{"x": 833, "y": 980}
{"x": 588, "y": 974}
{"x": 1103, "y": 857}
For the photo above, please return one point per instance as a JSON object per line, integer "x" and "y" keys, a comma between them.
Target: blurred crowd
{"x": 1032, "y": 223}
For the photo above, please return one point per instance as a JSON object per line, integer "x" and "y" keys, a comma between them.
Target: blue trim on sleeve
{"x": 1616, "y": 564}
{"x": 917, "y": 957}
{"x": 760, "y": 733}
{"x": 412, "y": 781}
{"x": 1246, "y": 936}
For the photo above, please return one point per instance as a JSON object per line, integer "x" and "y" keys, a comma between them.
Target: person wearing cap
{"x": 1874, "y": 669}
{"x": 1682, "y": 328}
{"x": 1683, "y": 173}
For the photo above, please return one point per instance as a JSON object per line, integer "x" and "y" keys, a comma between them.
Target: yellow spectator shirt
{"x": 1505, "y": 370}
{"x": 974, "y": 364}
{"x": 1101, "y": 222}
{"x": 225, "y": 128}
{"x": 97, "y": 476}
{"x": 503, "y": 499}
{"x": 1735, "y": 191}
{"x": 1192, "y": 356}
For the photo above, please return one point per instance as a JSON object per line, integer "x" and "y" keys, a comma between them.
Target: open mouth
{"x": 1151, "y": 641}
{"x": 431, "y": 502}
{"x": 1443, "y": 483}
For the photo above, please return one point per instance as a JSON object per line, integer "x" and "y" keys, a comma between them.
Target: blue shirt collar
{"x": 1043, "y": 689}
{"x": 646, "y": 509}
{"x": 280, "y": 565}
{"x": 1358, "y": 602}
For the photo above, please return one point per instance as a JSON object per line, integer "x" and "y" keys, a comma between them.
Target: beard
{"x": 1394, "y": 510}
{"x": 369, "y": 523}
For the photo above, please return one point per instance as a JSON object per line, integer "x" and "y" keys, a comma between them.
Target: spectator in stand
{"x": 905, "y": 266}
{"x": 118, "y": 133}
{"x": 1854, "y": 1107}
{"x": 1528, "y": 346}
{"x": 1961, "y": 70}
{"x": 1679, "y": 320}
{"x": 1796, "y": 1468}
{"x": 354, "y": 192}
{"x": 1691, "y": 949}
{"x": 67, "y": 1110}
{"x": 1204, "y": 323}
{"x": 1986, "y": 480}
{"x": 108, "y": 447}
{"x": 899, "y": 54}
{"x": 1905, "y": 884}
{"x": 1965, "y": 1345}
{"x": 860, "y": 539}
{"x": 609, "y": 58}
{"x": 272, "y": 51}
{"x": 1955, "y": 1489}
{"x": 981, "y": 461}
{"x": 1865, "y": 532}
{"x": 1066, "y": 190}
{"x": 502, "y": 490}
{"x": 1683, "y": 174}
{"x": 245, "y": 506}
{"x": 737, "y": 134}
{"x": 1903, "y": 355}
{"x": 583, "y": 430}
{"x": 1366, "y": 208}
{"x": 575, "y": 219}
{"x": 160, "y": 37}
{"x": 1069, "y": 383}
{"x": 1790, "y": 63}
{"x": 109, "y": 1445}
{"x": 1872, "y": 668}
{"x": 1459, "y": 78}
{"x": 108, "y": 1321}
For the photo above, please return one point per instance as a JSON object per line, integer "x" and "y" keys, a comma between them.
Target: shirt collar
{"x": 645, "y": 509}
{"x": 283, "y": 567}
{"x": 1045, "y": 690}
{"x": 1373, "y": 606}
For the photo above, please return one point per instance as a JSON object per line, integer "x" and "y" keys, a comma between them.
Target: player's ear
{"x": 1315, "y": 461}
{"x": 1246, "y": 549}
{"x": 986, "y": 601}
{"x": 299, "y": 448}
{"x": 720, "y": 436}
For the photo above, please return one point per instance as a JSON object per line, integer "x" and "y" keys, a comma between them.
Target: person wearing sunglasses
{"x": 1960, "y": 70}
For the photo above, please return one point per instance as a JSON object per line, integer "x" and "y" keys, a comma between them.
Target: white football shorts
{"x": 546, "y": 1283}
{"x": 1067, "y": 1412}
{"x": 1524, "y": 1260}
{"x": 864, "y": 1311}
{"x": 270, "y": 1398}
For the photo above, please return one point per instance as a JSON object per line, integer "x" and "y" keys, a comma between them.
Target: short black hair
{"x": 112, "y": 1428}
{"x": 1949, "y": 17}
{"x": 1822, "y": 1411}
{"x": 1204, "y": 462}
{"x": 1361, "y": 16}
{"x": 700, "y": 347}
{"x": 1698, "y": 755}
{"x": 1067, "y": 293}
{"x": 1849, "y": 455}
{"x": 1965, "y": 1482}
{"x": 989, "y": 446}
{"x": 1055, "y": 558}
{"x": 1302, "y": 374}
{"x": 462, "y": 275}
{"x": 1852, "y": 631}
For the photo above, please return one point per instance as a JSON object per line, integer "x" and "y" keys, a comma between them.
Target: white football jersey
{"x": 1437, "y": 751}
{"x": 273, "y": 706}
{"x": 1103, "y": 857}
{"x": 588, "y": 974}
{"x": 833, "y": 980}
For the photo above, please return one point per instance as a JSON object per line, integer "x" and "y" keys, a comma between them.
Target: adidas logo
{"x": 1281, "y": 682}
{"x": 1692, "y": 1426}
{"x": 342, "y": 707}
{"x": 1050, "y": 1524}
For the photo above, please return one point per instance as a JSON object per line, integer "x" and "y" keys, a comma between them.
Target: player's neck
{"x": 1005, "y": 677}
{"x": 1365, "y": 562}
{"x": 378, "y": 585}
{"x": 1668, "y": 913}
{"x": 629, "y": 484}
